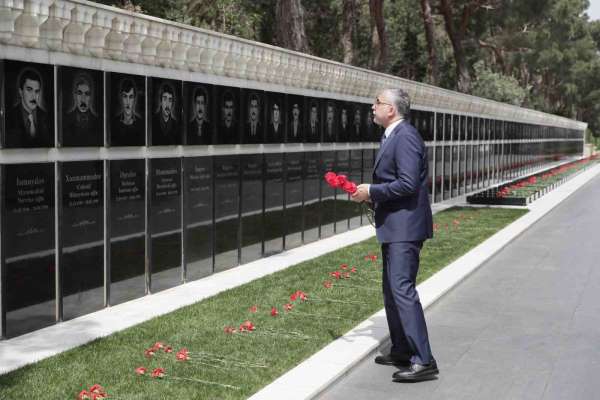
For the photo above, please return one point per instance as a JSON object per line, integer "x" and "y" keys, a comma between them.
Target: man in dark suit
{"x": 275, "y": 129}
{"x": 253, "y": 127}
{"x": 127, "y": 126}
{"x": 228, "y": 127}
{"x": 82, "y": 126}
{"x": 199, "y": 127}
{"x": 27, "y": 124}
{"x": 313, "y": 124}
{"x": 403, "y": 222}
{"x": 165, "y": 127}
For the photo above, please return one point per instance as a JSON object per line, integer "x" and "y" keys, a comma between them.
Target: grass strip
{"x": 111, "y": 361}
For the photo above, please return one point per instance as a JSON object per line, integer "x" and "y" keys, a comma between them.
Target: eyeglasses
{"x": 378, "y": 102}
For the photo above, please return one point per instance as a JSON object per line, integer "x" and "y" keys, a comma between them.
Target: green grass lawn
{"x": 279, "y": 342}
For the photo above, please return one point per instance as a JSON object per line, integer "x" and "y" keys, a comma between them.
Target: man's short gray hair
{"x": 400, "y": 100}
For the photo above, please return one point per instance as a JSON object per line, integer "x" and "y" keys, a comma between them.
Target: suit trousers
{"x": 403, "y": 309}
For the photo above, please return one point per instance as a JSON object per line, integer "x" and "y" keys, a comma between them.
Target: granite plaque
{"x": 253, "y": 116}
{"x": 355, "y": 175}
{"x": 198, "y": 113}
{"x": 294, "y": 163}
{"x": 228, "y": 110}
{"x": 164, "y": 107}
{"x": 28, "y": 240}
{"x": 165, "y": 222}
{"x": 227, "y": 211}
{"x": 126, "y": 109}
{"x": 275, "y": 132}
{"x": 82, "y": 237}
{"x": 252, "y": 207}
{"x": 343, "y": 205}
{"x": 81, "y": 109}
{"x": 28, "y": 105}
{"x": 313, "y": 121}
{"x": 328, "y": 215}
{"x": 274, "y": 192}
{"x": 198, "y": 216}
{"x": 311, "y": 194}
{"x": 127, "y": 229}
{"x": 295, "y": 118}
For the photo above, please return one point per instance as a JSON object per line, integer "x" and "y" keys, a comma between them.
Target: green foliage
{"x": 496, "y": 86}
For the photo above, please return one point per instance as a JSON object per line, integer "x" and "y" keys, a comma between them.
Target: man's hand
{"x": 361, "y": 194}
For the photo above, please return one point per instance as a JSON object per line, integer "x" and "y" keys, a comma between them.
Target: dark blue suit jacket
{"x": 399, "y": 188}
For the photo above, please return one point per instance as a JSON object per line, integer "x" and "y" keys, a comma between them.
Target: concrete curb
{"x": 322, "y": 369}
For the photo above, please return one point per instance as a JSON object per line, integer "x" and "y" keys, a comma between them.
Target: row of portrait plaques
{"x": 207, "y": 213}
{"x": 157, "y": 111}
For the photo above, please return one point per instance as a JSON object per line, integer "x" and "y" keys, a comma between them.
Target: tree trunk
{"x": 290, "y": 32}
{"x": 432, "y": 65}
{"x": 348, "y": 24}
{"x": 379, "y": 36}
{"x": 463, "y": 75}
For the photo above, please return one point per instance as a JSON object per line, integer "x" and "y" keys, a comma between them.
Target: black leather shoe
{"x": 416, "y": 373}
{"x": 393, "y": 359}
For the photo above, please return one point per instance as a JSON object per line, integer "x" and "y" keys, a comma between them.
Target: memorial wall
{"x": 137, "y": 154}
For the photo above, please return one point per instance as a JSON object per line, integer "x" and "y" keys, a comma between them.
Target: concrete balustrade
{"x": 83, "y": 28}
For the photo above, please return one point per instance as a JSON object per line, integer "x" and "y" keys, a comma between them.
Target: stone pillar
{"x": 27, "y": 26}
{"x": 51, "y": 31}
{"x": 114, "y": 41}
{"x": 132, "y": 45}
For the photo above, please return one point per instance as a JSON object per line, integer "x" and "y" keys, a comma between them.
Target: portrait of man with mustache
{"x": 82, "y": 125}
{"x": 165, "y": 121}
{"x": 28, "y": 124}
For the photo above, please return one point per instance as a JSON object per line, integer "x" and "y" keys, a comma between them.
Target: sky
{"x": 594, "y": 10}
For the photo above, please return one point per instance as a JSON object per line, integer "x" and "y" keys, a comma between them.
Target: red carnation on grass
{"x": 327, "y": 284}
{"x": 149, "y": 353}
{"x": 158, "y": 345}
{"x": 336, "y": 274}
{"x": 182, "y": 355}
{"x": 229, "y": 329}
{"x": 247, "y": 326}
{"x": 353, "y": 269}
{"x": 288, "y": 306}
{"x": 274, "y": 312}
{"x": 344, "y": 266}
{"x": 253, "y": 309}
{"x": 83, "y": 395}
{"x": 95, "y": 392}
{"x": 168, "y": 349}
{"x": 158, "y": 373}
{"x": 140, "y": 371}
{"x": 346, "y": 275}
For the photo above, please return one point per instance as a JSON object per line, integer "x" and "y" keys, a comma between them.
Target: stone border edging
{"x": 312, "y": 377}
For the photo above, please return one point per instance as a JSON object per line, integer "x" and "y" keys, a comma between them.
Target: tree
{"x": 432, "y": 65}
{"x": 348, "y": 27}
{"x": 378, "y": 37}
{"x": 290, "y": 32}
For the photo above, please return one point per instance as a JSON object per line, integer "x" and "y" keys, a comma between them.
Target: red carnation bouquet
{"x": 340, "y": 182}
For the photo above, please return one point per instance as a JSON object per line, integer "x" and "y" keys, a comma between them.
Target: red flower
{"x": 83, "y": 395}
{"x": 341, "y": 180}
{"x": 302, "y": 296}
{"x": 328, "y": 284}
{"x": 288, "y": 307}
{"x": 253, "y": 309}
{"x": 344, "y": 266}
{"x": 247, "y": 326}
{"x": 96, "y": 389}
{"x": 299, "y": 294}
{"x": 331, "y": 179}
{"x": 168, "y": 349}
{"x": 140, "y": 370}
{"x": 96, "y": 396}
{"x": 349, "y": 187}
{"x": 149, "y": 352}
{"x": 229, "y": 329}
{"x": 346, "y": 275}
{"x": 336, "y": 274}
{"x": 158, "y": 373}
{"x": 182, "y": 355}
{"x": 274, "y": 312}
{"x": 293, "y": 296}
{"x": 158, "y": 345}
{"x": 353, "y": 269}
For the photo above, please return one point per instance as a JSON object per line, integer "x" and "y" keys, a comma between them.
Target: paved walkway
{"x": 524, "y": 326}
